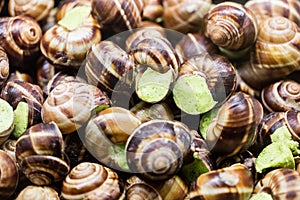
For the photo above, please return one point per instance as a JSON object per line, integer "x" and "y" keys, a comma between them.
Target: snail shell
{"x": 106, "y": 129}
{"x": 22, "y": 76}
{"x": 234, "y": 128}
{"x": 39, "y": 153}
{"x": 37, "y": 9}
{"x": 9, "y": 146}
{"x": 9, "y": 175}
{"x": 281, "y": 183}
{"x": 17, "y": 91}
{"x": 107, "y": 65}
{"x": 118, "y": 15}
{"x": 4, "y": 67}
{"x": 185, "y": 16}
{"x": 234, "y": 182}
{"x": 231, "y": 26}
{"x": 265, "y": 8}
{"x": 37, "y": 192}
{"x": 156, "y": 148}
{"x": 67, "y": 46}
{"x": 20, "y": 37}
{"x": 152, "y": 10}
{"x": 91, "y": 181}
{"x": 275, "y": 54}
{"x": 70, "y": 105}
{"x": 44, "y": 72}
{"x": 66, "y": 6}
{"x": 281, "y": 96}
{"x": 172, "y": 189}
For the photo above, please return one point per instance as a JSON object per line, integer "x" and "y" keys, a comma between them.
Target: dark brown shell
{"x": 234, "y": 128}
{"x": 156, "y": 148}
{"x": 39, "y": 153}
{"x": 44, "y": 71}
{"x": 4, "y": 67}
{"x": 91, "y": 181}
{"x": 20, "y": 37}
{"x": 234, "y": 182}
{"x": 107, "y": 65}
{"x": 118, "y": 15}
{"x": 281, "y": 96}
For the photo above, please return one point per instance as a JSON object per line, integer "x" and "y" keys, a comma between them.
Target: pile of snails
{"x": 149, "y": 99}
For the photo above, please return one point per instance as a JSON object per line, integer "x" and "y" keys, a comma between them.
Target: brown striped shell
{"x": 156, "y": 148}
{"x": 21, "y": 76}
{"x": 233, "y": 130}
{"x": 152, "y": 10}
{"x": 39, "y": 153}
{"x": 106, "y": 130}
{"x": 70, "y": 105}
{"x": 9, "y": 177}
{"x": 17, "y": 91}
{"x": 118, "y": 15}
{"x": 37, "y": 9}
{"x": 234, "y": 182}
{"x": 231, "y": 26}
{"x": 172, "y": 189}
{"x": 20, "y": 37}
{"x": 91, "y": 181}
{"x": 9, "y": 146}
{"x": 275, "y": 54}
{"x": 38, "y": 192}
{"x": 281, "y": 183}
{"x": 281, "y": 96}
{"x": 107, "y": 65}
{"x": 44, "y": 72}
{"x": 4, "y": 67}
{"x": 266, "y": 8}
{"x": 67, "y": 46}
{"x": 185, "y": 16}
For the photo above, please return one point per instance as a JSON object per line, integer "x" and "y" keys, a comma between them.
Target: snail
{"x": 9, "y": 175}
{"x": 4, "y": 67}
{"x": 20, "y": 37}
{"x": 9, "y": 146}
{"x": 65, "y": 6}
{"x": 38, "y": 192}
{"x": 91, "y": 181}
{"x": 152, "y": 10}
{"x": 231, "y": 26}
{"x": 185, "y": 16}
{"x": 234, "y": 182}
{"x": 118, "y": 15}
{"x": 106, "y": 131}
{"x": 281, "y": 96}
{"x": 172, "y": 189}
{"x": 39, "y": 153}
{"x": 44, "y": 71}
{"x": 37, "y": 9}
{"x": 18, "y": 91}
{"x": 234, "y": 129}
{"x": 70, "y": 104}
{"x": 280, "y": 183}
{"x": 67, "y": 42}
{"x": 275, "y": 54}
{"x": 107, "y": 66}
{"x": 265, "y": 8}
{"x": 156, "y": 149}
{"x": 194, "y": 44}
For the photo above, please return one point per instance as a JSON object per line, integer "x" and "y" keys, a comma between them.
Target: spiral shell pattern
{"x": 107, "y": 64}
{"x": 20, "y": 37}
{"x": 156, "y": 148}
{"x": 4, "y": 67}
{"x": 91, "y": 181}
{"x": 9, "y": 175}
{"x": 231, "y": 26}
{"x": 281, "y": 96}
{"x": 266, "y": 8}
{"x": 38, "y": 192}
{"x": 234, "y": 128}
{"x": 234, "y": 182}
{"x": 118, "y": 15}
{"x": 37, "y": 9}
{"x": 281, "y": 183}
{"x": 9, "y": 146}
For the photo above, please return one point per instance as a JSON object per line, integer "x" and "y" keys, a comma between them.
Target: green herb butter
{"x": 75, "y": 17}
{"x": 6, "y": 117}
{"x": 21, "y": 119}
{"x": 261, "y": 196}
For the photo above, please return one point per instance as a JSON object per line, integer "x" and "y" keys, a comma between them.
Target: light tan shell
{"x": 38, "y": 192}
{"x": 37, "y": 9}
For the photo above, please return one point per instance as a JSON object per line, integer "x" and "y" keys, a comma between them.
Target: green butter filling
{"x": 206, "y": 120}
{"x": 6, "y": 116}
{"x": 74, "y": 18}
{"x": 261, "y": 196}
{"x": 118, "y": 154}
{"x": 21, "y": 119}
{"x": 192, "y": 95}
{"x": 153, "y": 86}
